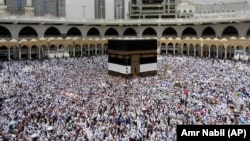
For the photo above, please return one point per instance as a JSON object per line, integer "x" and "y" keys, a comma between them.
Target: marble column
{"x": 39, "y": 53}
{"x": 202, "y": 50}
{"x": 230, "y": 52}
{"x": 74, "y": 51}
{"x": 245, "y": 54}
{"x": 29, "y": 53}
{"x": 209, "y": 52}
{"x": 158, "y": 48}
{"x": 181, "y": 49}
{"x": 9, "y": 54}
{"x": 174, "y": 49}
{"x": 225, "y": 56}
{"x": 81, "y": 50}
{"x": 102, "y": 49}
{"x": 95, "y": 49}
{"x": 217, "y": 52}
{"x": 195, "y": 50}
{"x": 48, "y": 52}
{"x": 88, "y": 50}
{"x": 19, "y": 54}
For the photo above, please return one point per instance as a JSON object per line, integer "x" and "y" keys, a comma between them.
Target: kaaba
{"x": 132, "y": 57}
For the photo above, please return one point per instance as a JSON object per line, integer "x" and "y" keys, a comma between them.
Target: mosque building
{"x": 33, "y": 29}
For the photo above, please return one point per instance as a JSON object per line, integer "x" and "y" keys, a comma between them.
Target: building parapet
{"x": 196, "y": 19}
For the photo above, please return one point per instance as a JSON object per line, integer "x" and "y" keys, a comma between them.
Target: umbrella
{"x": 50, "y": 128}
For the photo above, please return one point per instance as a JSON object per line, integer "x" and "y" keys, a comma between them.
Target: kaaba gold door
{"x": 135, "y": 65}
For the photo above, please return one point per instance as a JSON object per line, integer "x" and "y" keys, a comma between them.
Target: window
{"x": 18, "y": 4}
{"x": 44, "y": 6}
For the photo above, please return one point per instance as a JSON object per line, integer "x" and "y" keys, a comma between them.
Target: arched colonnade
{"x": 52, "y": 48}
{"x": 224, "y": 48}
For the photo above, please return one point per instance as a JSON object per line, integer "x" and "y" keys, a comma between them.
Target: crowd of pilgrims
{"x": 74, "y": 99}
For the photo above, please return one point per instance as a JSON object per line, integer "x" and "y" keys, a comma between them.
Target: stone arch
{"x": 198, "y": 50}
{"x": 178, "y": 48}
{"x": 230, "y": 51}
{"x": 14, "y": 52}
{"x": 99, "y": 48}
{"x": 129, "y": 32}
{"x": 34, "y": 51}
{"x": 74, "y": 32}
{"x": 208, "y": 32}
{"x": 205, "y": 50}
{"x": 5, "y": 33}
{"x": 92, "y": 49}
{"x": 189, "y": 32}
{"x": 24, "y": 52}
{"x": 27, "y": 33}
{"x": 221, "y": 51}
{"x": 61, "y": 49}
{"x": 111, "y": 32}
{"x": 170, "y": 48}
{"x": 149, "y": 32}
{"x": 85, "y": 49}
{"x": 185, "y": 49}
{"x": 248, "y": 33}
{"x": 248, "y": 51}
{"x": 105, "y": 48}
{"x": 93, "y": 32}
{"x": 52, "y": 32}
{"x": 52, "y": 50}
{"x": 163, "y": 48}
{"x": 192, "y": 48}
{"x": 169, "y": 32}
{"x": 213, "y": 51}
{"x": 43, "y": 51}
{"x": 239, "y": 47}
{"x": 78, "y": 50}
{"x": 230, "y": 31}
